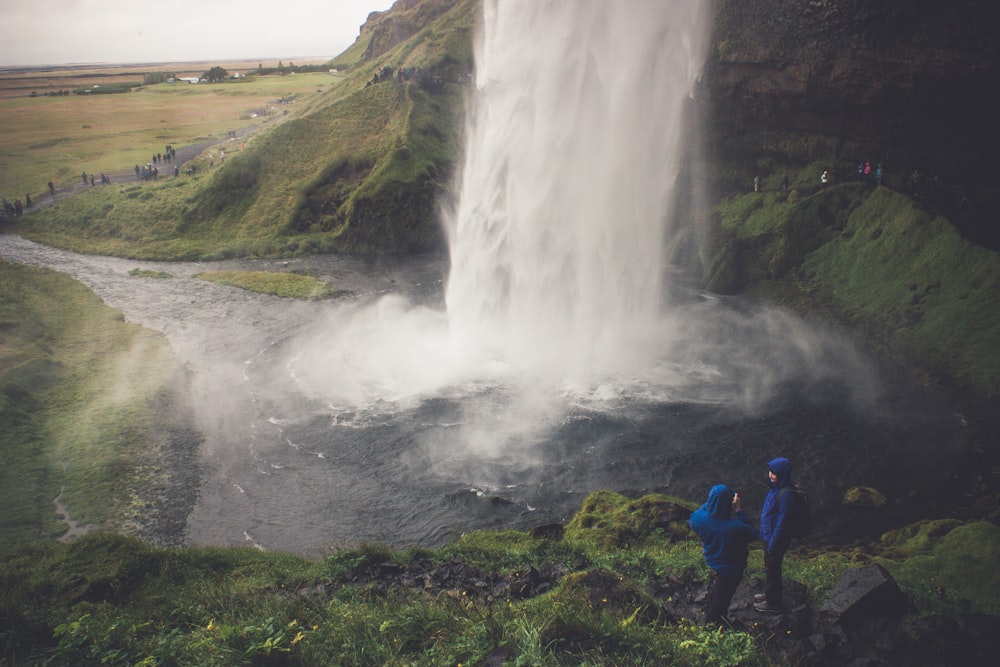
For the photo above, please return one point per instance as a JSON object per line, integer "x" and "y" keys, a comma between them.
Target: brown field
{"x": 23, "y": 81}
{"x": 55, "y": 138}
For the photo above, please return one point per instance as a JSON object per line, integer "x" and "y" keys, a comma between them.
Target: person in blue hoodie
{"x": 775, "y": 532}
{"x": 725, "y": 531}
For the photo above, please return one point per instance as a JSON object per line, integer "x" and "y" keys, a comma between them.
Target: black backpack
{"x": 799, "y": 513}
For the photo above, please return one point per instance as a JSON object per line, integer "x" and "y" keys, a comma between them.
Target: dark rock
{"x": 498, "y": 658}
{"x": 862, "y": 594}
{"x": 966, "y": 639}
{"x": 389, "y": 569}
{"x": 548, "y": 531}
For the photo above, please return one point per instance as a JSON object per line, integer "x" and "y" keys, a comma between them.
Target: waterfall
{"x": 560, "y": 292}
{"x": 559, "y": 230}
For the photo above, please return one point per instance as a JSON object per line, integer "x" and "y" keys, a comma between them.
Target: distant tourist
{"x": 824, "y": 179}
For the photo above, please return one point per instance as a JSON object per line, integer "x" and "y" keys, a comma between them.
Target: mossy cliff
{"x": 839, "y": 82}
{"x": 907, "y": 258}
{"x": 364, "y": 170}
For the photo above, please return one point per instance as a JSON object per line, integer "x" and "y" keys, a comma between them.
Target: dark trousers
{"x": 772, "y": 570}
{"x": 720, "y": 597}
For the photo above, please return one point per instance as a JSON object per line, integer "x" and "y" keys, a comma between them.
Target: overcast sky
{"x": 52, "y": 32}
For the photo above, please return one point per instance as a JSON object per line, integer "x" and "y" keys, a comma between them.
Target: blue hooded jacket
{"x": 724, "y": 534}
{"x": 774, "y": 512}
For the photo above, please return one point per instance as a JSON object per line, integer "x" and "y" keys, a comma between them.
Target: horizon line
{"x": 130, "y": 63}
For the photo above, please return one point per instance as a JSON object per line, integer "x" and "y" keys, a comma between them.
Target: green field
{"x": 57, "y": 138}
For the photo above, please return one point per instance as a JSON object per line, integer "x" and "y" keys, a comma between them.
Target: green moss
{"x": 611, "y": 519}
{"x": 947, "y": 566}
{"x": 874, "y": 258}
{"x": 75, "y": 383}
{"x": 864, "y": 496}
{"x": 911, "y": 279}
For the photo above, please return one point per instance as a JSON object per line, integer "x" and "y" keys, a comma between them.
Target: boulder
{"x": 864, "y": 496}
{"x": 863, "y": 594}
{"x": 548, "y": 531}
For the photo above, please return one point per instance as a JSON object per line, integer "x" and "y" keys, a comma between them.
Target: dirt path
{"x": 184, "y": 154}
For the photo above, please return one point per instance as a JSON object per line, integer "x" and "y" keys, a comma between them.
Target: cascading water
{"x": 559, "y": 237}
{"x": 572, "y": 152}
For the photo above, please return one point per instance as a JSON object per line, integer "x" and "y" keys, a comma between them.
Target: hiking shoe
{"x": 764, "y": 609}
{"x": 760, "y": 597}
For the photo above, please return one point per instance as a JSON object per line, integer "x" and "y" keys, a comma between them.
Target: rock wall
{"x": 906, "y": 83}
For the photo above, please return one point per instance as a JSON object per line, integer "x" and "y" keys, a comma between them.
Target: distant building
{"x": 189, "y": 79}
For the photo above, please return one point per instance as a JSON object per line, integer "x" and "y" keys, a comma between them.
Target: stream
{"x": 286, "y": 468}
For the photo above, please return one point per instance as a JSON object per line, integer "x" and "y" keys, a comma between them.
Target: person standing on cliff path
{"x": 824, "y": 179}
{"x": 775, "y": 530}
{"x": 725, "y": 531}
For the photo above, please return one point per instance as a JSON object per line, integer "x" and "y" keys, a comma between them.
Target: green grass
{"x": 76, "y": 381}
{"x": 107, "y": 599}
{"x": 877, "y": 260}
{"x": 949, "y": 566}
{"x": 927, "y": 291}
{"x": 56, "y": 138}
{"x": 269, "y": 282}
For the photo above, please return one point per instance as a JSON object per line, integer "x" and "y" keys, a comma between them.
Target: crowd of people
{"x": 17, "y": 208}
{"x": 916, "y": 184}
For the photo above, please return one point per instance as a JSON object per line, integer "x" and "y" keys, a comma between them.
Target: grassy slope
{"x": 115, "y": 600}
{"x": 359, "y": 168}
{"x": 76, "y": 383}
{"x": 878, "y": 260}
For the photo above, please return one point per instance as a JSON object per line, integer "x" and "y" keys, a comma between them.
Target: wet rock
{"x": 966, "y": 639}
{"x": 864, "y": 496}
{"x": 861, "y": 595}
{"x": 548, "y": 531}
{"x": 498, "y": 658}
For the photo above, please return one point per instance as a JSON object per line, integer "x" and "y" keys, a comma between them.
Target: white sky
{"x": 51, "y": 32}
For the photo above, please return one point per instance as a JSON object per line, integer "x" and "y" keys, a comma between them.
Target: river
{"x": 285, "y": 468}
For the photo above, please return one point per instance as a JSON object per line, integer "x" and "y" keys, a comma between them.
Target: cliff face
{"x": 406, "y": 18}
{"x": 794, "y": 88}
{"x": 907, "y": 84}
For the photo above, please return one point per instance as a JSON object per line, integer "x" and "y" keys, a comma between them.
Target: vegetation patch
{"x": 146, "y": 273}
{"x": 877, "y": 260}
{"x": 505, "y": 596}
{"x": 76, "y": 384}
{"x": 277, "y": 283}
{"x": 946, "y": 565}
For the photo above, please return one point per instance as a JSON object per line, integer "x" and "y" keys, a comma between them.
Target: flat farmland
{"x": 55, "y": 138}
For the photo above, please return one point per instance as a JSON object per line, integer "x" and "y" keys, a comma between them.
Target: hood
{"x": 781, "y": 467}
{"x": 720, "y": 501}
